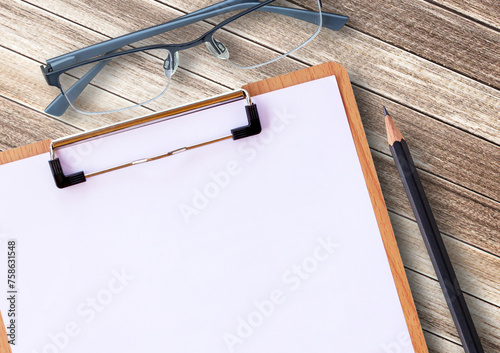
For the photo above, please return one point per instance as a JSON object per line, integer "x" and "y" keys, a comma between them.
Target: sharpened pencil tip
{"x": 393, "y": 133}
{"x": 385, "y": 111}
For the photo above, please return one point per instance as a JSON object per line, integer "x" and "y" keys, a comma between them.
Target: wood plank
{"x": 458, "y": 100}
{"x": 436, "y": 148}
{"x": 393, "y": 72}
{"x": 460, "y": 213}
{"x": 185, "y": 87}
{"x": 477, "y": 271}
{"x": 438, "y": 344}
{"x": 429, "y": 31}
{"x": 410, "y": 81}
{"x": 108, "y": 21}
{"x": 20, "y": 125}
{"x": 487, "y": 11}
{"x": 435, "y": 316}
{"x": 30, "y": 89}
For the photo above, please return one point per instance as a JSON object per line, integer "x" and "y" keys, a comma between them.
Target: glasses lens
{"x": 118, "y": 83}
{"x": 269, "y": 32}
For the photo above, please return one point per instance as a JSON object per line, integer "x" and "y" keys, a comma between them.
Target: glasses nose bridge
{"x": 171, "y": 63}
{"x": 217, "y": 48}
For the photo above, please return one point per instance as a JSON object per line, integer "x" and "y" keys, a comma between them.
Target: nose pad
{"x": 171, "y": 64}
{"x": 219, "y": 50}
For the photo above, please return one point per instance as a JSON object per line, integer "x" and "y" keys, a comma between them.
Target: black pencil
{"x": 432, "y": 238}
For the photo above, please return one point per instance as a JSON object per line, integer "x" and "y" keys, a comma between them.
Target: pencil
{"x": 432, "y": 238}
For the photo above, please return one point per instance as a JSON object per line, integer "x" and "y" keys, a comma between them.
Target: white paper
{"x": 266, "y": 244}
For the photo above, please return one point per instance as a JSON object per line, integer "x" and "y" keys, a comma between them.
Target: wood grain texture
{"x": 438, "y": 344}
{"x": 431, "y": 32}
{"x": 20, "y": 125}
{"x": 30, "y": 89}
{"x": 476, "y": 270}
{"x": 448, "y": 152}
{"x": 184, "y": 88}
{"x": 460, "y": 213}
{"x": 407, "y": 79}
{"x": 436, "y": 317}
{"x": 459, "y": 162}
{"x": 25, "y": 151}
{"x": 397, "y": 71}
{"x": 393, "y": 133}
{"x": 486, "y": 11}
{"x": 422, "y": 71}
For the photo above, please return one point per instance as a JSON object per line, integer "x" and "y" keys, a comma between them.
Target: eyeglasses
{"x": 106, "y": 77}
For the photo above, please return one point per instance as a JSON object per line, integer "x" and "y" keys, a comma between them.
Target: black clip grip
{"x": 63, "y": 181}
{"x": 253, "y": 127}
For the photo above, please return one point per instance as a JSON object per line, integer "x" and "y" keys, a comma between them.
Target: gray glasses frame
{"x": 104, "y": 51}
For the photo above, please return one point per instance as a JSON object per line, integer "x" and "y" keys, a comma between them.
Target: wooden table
{"x": 434, "y": 65}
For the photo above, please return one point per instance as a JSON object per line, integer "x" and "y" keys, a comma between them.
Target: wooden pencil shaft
{"x": 436, "y": 248}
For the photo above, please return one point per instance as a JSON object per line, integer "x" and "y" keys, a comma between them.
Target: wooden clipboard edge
{"x": 22, "y": 152}
{"x": 4, "y": 340}
{"x": 367, "y": 165}
{"x": 372, "y": 183}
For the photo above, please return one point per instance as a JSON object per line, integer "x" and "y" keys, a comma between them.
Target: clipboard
{"x": 366, "y": 163}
